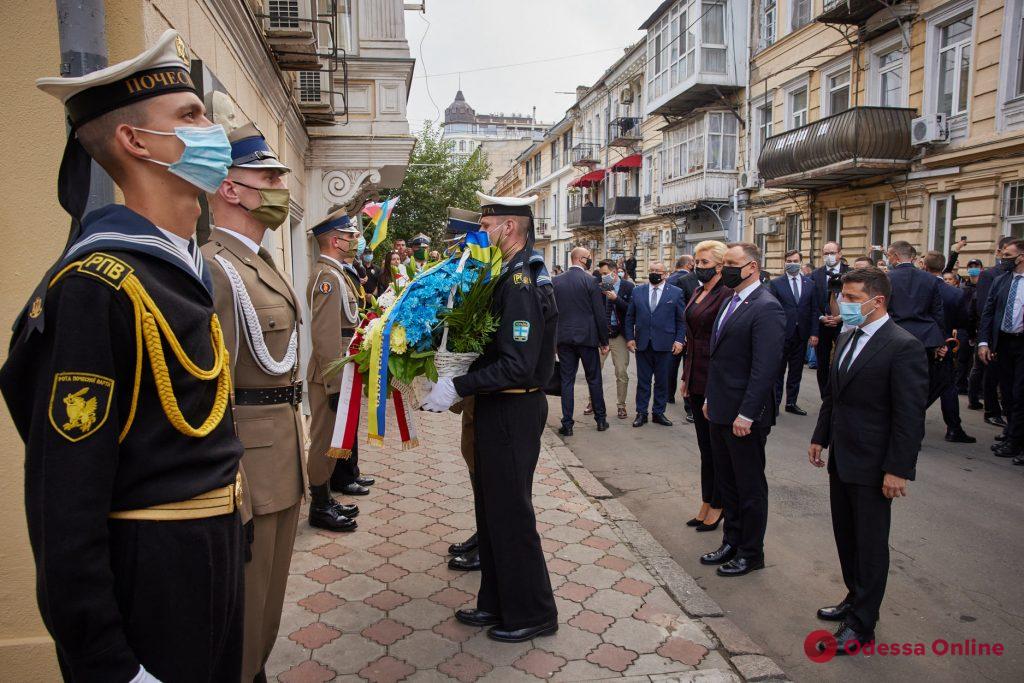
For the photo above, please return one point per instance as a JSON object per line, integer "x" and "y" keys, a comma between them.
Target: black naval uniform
{"x": 117, "y": 593}
{"x": 510, "y": 414}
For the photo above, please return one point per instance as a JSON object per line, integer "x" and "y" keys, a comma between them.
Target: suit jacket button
{"x": 272, "y": 323}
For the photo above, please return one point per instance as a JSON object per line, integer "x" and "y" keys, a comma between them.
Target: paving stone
{"x": 616, "y": 511}
{"x": 356, "y": 587}
{"x": 421, "y": 614}
{"x": 594, "y": 576}
{"x": 540, "y": 663}
{"x": 633, "y": 587}
{"x": 634, "y": 635}
{"x": 683, "y": 650}
{"x": 685, "y": 590}
{"x": 315, "y": 635}
{"x": 387, "y": 573}
{"x": 358, "y": 561}
{"x": 427, "y": 649}
{"x": 508, "y": 674}
{"x": 580, "y": 554}
{"x": 454, "y": 630}
{"x": 417, "y": 585}
{"x": 387, "y": 670}
{"x": 575, "y": 591}
{"x": 386, "y": 631}
{"x": 614, "y": 563}
{"x": 566, "y": 534}
{"x": 387, "y": 600}
{"x": 415, "y": 560}
{"x": 353, "y": 617}
{"x": 486, "y": 649}
{"x": 464, "y": 667}
{"x": 452, "y": 598}
{"x": 612, "y": 657}
{"x": 326, "y": 573}
{"x": 613, "y": 603}
{"x": 593, "y": 622}
{"x": 757, "y": 667}
{"x": 299, "y": 586}
{"x": 569, "y": 642}
{"x": 709, "y": 676}
{"x": 387, "y": 549}
{"x": 321, "y": 602}
{"x": 308, "y": 672}
{"x": 735, "y": 641}
{"x": 286, "y": 655}
{"x": 649, "y": 664}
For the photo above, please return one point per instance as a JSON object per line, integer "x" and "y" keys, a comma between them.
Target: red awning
{"x": 624, "y": 165}
{"x": 589, "y": 179}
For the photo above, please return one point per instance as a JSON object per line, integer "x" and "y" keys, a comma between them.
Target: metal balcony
{"x": 586, "y": 217}
{"x": 624, "y": 131}
{"x": 623, "y": 209}
{"x": 854, "y": 11}
{"x": 584, "y": 154}
{"x": 857, "y": 143}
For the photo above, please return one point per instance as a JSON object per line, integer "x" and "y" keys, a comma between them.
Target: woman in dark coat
{"x": 701, "y": 312}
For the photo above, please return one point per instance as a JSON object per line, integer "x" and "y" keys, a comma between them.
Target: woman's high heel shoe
{"x": 710, "y": 527}
{"x": 695, "y": 522}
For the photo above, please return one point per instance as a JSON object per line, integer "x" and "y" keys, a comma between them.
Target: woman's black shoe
{"x": 710, "y": 527}
{"x": 695, "y": 522}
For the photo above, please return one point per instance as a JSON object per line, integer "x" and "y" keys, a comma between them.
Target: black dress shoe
{"x": 740, "y": 566}
{"x": 602, "y": 424}
{"x": 1007, "y": 450}
{"x": 565, "y": 430}
{"x": 975, "y": 406}
{"x": 325, "y": 512}
{"x": 795, "y": 409}
{"x": 1019, "y": 460}
{"x": 366, "y": 481}
{"x": 835, "y": 612}
{"x": 1002, "y": 436}
{"x": 640, "y": 420}
{"x": 995, "y": 420}
{"x": 848, "y": 640}
{"x": 689, "y": 418}
{"x": 476, "y": 617}
{"x": 354, "y": 489}
{"x": 960, "y": 437}
{"x": 462, "y": 548}
{"x": 659, "y": 419}
{"x": 695, "y": 522}
{"x": 520, "y": 635}
{"x": 724, "y": 553}
{"x": 470, "y": 562}
{"x": 350, "y": 511}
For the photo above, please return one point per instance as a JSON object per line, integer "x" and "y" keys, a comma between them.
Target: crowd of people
{"x": 912, "y": 327}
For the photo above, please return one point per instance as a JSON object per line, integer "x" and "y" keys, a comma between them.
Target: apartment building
{"x": 326, "y": 81}
{"x": 466, "y": 130}
{"x": 869, "y": 122}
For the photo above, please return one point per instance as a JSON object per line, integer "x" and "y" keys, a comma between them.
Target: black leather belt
{"x": 270, "y": 396}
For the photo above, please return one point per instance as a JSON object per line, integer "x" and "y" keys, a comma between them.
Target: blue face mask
{"x": 851, "y": 313}
{"x": 205, "y": 159}
{"x": 368, "y": 256}
{"x": 360, "y": 246}
{"x": 973, "y": 272}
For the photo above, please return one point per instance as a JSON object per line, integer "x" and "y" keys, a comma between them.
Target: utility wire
{"x": 508, "y": 66}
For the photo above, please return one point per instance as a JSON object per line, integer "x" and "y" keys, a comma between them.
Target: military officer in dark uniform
{"x": 510, "y": 409}
{"x": 118, "y": 380}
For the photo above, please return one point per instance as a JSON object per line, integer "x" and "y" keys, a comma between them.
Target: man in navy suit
{"x": 826, "y": 287}
{"x": 655, "y": 330}
{"x": 746, "y": 345}
{"x": 1001, "y": 334}
{"x": 797, "y": 295}
{"x": 582, "y": 330}
{"x": 954, "y": 317}
{"x": 916, "y": 303}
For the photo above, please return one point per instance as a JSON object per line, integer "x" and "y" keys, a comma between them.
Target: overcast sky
{"x": 468, "y": 35}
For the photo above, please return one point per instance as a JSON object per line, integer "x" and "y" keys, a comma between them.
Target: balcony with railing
{"x": 858, "y": 143}
{"x": 859, "y": 11}
{"x": 624, "y": 131}
{"x": 585, "y": 217}
{"x": 543, "y": 229}
{"x": 686, "y": 192}
{"x": 584, "y": 154}
{"x": 624, "y": 208}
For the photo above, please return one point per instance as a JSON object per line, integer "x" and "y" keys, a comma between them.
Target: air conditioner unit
{"x": 626, "y": 96}
{"x": 930, "y": 129}
{"x": 750, "y": 180}
{"x": 766, "y": 225}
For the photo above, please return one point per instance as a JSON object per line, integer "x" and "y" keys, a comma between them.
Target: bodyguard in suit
{"x": 334, "y": 309}
{"x": 746, "y": 345}
{"x": 655, "y": 330}
{"x": 260, "y": 316}
{"x": 797, "y": 295}
{"x": 826, "y": 286}
{"x": 990, "y": 379}
{"x": 916, "y": 303}
{"x": 872, "y": 422}
{"x": 582, "y": 336}
{"x": 1001, "y": 337}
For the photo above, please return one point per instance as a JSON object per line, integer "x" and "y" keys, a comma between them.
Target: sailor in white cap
{"x": 507, "y": 382}
{"x": 122, "y": 396}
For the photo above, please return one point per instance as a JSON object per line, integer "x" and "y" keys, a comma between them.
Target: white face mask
{"x": 831, "y": 260}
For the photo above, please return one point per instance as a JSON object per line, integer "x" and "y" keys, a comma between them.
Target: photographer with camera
{"x": 827, "y": 284}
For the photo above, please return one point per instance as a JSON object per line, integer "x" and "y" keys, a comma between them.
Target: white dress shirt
{"x": 866, "y": 333}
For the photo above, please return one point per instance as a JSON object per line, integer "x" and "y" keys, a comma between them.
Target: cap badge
{"x": 179, "y": 46}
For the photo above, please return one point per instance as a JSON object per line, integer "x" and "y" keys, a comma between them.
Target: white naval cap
{"x": 506, "y": 206}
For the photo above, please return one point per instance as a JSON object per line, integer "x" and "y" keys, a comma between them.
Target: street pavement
{"x": 378, "y": 604}
{"x": 956, "y": 545}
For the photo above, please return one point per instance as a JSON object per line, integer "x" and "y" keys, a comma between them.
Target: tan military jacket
{"x": 334, "y": 304}
{"x": 272, "y": 434}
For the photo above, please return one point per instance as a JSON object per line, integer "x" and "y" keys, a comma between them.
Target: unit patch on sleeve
{"x": 79, "y": 403}
{"x": 326, "y": 287}
{"x": 105, "y": 267}
{"x": 520, "y": 330}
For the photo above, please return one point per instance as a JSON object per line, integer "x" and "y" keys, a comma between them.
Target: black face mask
{"x": 705, "y": 274}
{"x": 655, "y": 278}
{"x": 587, "y": 263}
{"x": 1008, "y": 264}
{"x": 732, "y": 276}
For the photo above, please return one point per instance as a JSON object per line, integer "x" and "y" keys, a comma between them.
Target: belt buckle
{"x": 296, "y": 397}
{"x": 238, "y": 490}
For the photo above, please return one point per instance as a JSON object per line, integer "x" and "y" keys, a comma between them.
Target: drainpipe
{"x": 81, "y": 25}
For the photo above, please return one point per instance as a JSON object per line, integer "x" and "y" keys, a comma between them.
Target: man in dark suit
{"x": 797, "y": 295}
{"x": 872, "y": 423}
{"x": 954, "y": 317}
{"x": 684, "y": 279}
{"x": 1001, "y": 336}
{"x": 826, "y": 286}
{"x": 582, "y": 330}
{"x": 990, "y": 379}
{"x": 655, "y": 330}
{"x": 618, "y": 292}
{"x": 746, "y": 345}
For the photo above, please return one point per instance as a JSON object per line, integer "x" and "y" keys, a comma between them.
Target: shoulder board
{"x": 106, "y": 268}
{"x": 540, "y": 271}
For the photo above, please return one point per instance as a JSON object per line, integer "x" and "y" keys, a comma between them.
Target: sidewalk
{"x": 378, "y": 604}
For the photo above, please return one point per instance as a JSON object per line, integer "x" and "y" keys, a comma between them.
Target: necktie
{"x": 655, "y": 291}
{"x": 728, "y": 311}
{"x": 796, "y": 289}
{"x": 1011, "y": 300}
{"x": 848, "y": 358}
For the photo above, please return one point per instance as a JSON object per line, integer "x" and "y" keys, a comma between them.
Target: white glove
{"x": 442, "y": 396}
{"x": 144, "y": 677}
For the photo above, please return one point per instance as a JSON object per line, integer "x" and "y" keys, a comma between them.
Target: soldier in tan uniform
{"x": 334, "y": 303}
{"x": 260, "y": 313}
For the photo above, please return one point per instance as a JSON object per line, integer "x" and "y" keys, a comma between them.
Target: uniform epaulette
{"x": 540, "y": 270}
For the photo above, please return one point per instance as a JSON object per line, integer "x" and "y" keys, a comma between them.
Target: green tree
{"x": 435, "y": 180}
